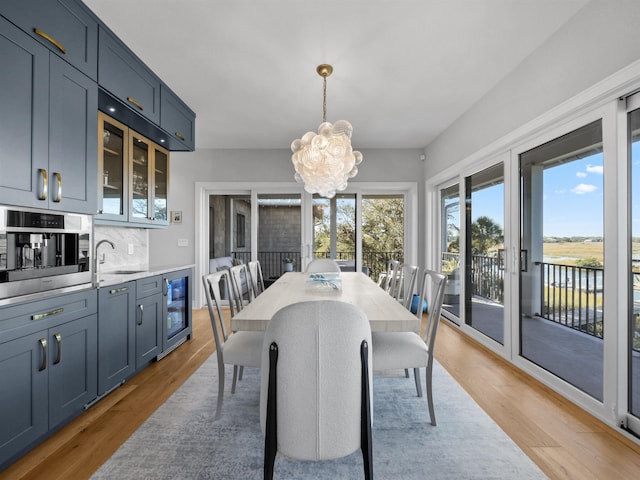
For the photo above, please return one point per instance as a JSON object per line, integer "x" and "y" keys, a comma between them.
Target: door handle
{"x": 43, "y": 344}
{"x": 132, "y": 100}
{"x": 50, "y": 39}
{"x": 58, "y": 338}
{"x": 141, "y": 307}
{"x": 58, "y": 195}
{"x": 42, "y": 184}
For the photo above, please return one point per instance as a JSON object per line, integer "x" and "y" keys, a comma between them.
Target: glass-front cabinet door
{"x": 160, "y": 184}
{"x": 149, "y": 181}
{"x": 113, "y": 157}
{"x": 140, "y": 161}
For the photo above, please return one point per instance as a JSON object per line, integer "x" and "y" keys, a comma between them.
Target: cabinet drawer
{"x": 122, "y": 74}
{"x": 28, "y": 317}
{"x": 64, "y": 26}
{"x": 177, "y": 119}
{"x": 148, "y": 286}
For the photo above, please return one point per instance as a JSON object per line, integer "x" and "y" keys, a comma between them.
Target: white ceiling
{"x": 403, "y": 70}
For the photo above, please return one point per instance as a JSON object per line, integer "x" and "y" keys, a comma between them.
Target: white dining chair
{"x": 403, "y": 350}
{"x": 315, "y": 398}
{"x": 240, "y": 349}
{"x": 257, "y": 281}
{"x": 388, "y": 282}
{"x": 405, "y": 284}
{"x": 323, "y": 265}
{"x": 241, "y": 283}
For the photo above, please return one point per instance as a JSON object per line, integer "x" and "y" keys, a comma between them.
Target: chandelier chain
{"x": 324, "y": 99}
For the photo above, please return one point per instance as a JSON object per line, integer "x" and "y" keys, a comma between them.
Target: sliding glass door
{"x": 450, "y": 249}
{"x": 562, "y": 259}
{"x": 484, "y": 252}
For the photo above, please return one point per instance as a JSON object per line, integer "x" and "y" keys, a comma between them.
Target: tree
{"x": 485, "y": 234}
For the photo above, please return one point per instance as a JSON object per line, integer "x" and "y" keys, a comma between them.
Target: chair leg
{"x": 406, "y": 372}
{"x": 220, "y": 390}
{"x": 365, "y": 419}
{"x": 235, "y": 379}
{"x": 240, "y": 372}
{"x": 432, "y": 413}
{"x": 416, "y": 376}
{"x": 271, "y": 424}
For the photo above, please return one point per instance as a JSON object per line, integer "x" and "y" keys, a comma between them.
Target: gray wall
{"x": 601, "y": 39}
{"x": 209, "y": 165}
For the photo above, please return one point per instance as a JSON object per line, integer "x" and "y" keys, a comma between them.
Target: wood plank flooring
{"x": 563, "y": 440}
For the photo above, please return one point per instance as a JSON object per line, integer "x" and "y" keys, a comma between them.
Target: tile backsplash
{"x": 125, "y": 240}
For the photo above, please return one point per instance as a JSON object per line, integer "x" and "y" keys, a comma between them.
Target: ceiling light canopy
{"x": 325, "y": 161}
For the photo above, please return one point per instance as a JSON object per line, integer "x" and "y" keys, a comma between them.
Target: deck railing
{"x": 272, "y": 262}
{"x": 569, "y": 295}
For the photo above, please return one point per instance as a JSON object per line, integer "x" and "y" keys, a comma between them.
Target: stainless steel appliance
{"x": 43, "y": 250}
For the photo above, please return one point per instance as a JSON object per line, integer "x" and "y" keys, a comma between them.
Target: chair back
{"x": 241, "y": 285}
{"x": 320, "y": 378}
{"x": 431, "y": 289}
{"x": 323, "y": 265}
{"x": 391, "y": 279}
{"x": 405, "y": 284}
{"x": 257, "y": 281}
{"x": 212, "y": 283}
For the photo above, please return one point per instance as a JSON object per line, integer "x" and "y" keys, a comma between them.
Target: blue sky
{"x": 573, "y": 199}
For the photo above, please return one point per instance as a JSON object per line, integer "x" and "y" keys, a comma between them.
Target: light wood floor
{"x": 563, "y": 440}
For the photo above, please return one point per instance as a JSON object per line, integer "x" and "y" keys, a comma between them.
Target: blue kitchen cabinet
{"x": 47, "y": 142}
{"x": 148, "y": 320}
{"x": 48, "y": 367}
{"x": 66, "y": 27}
{"x": 24, "y": 122}
{"x": 116, "y": 335}
{"x": 73, "y": 142}
{"x": 125, "y": 77}
{"x": 177, "y": 119}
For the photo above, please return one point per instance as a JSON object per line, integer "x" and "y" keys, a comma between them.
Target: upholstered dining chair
{"x": 402, "y": 350}
{"x": 315, "y": 399}
{"x": 240, "y": 349}
{"x": 257, "y": 281}
{"x": 322, "y": 265}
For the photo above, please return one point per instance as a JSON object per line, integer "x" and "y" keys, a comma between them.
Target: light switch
{"x": 183, "y": 242}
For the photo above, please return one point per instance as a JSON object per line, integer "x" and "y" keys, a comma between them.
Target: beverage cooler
{"x": 177, "y": 309}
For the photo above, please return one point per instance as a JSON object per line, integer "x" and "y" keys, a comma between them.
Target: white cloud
{"x": 581, "y": 174}
{"x": 595, "y": 169}
{"x": 584, "y": 188}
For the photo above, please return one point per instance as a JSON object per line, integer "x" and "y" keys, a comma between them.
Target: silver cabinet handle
{"x": 43, "y": 344}
{"x": 40, "y": 316}
{"x": 141, "y": 307}
{"x": 58, "y": 338}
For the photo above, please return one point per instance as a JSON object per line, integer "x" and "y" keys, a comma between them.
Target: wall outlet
{"x": 130, "y": 248}
{"x": 183, "y": 242}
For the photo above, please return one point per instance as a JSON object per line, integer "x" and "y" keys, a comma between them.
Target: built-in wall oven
{"x": 43, "y": 250}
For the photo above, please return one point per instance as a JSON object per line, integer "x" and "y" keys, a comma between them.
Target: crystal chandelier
{"x": 325, "y": 161}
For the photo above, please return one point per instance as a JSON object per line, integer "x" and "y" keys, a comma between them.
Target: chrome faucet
{"x": 102, "y": 260}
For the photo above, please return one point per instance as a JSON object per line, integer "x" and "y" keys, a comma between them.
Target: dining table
{"x": 384, "y": 312}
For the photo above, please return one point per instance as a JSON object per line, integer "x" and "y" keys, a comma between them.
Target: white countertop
{"x": 109, "y": 278}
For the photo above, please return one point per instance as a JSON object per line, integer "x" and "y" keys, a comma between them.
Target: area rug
{"x": 181, "y": 440}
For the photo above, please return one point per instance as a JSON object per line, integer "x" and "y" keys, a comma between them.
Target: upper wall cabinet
{"x": 177, "y": 119}
{"x": 47, "y": 140}
{"x": 123, "y": 75}
{"x": 63, "y": 26}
